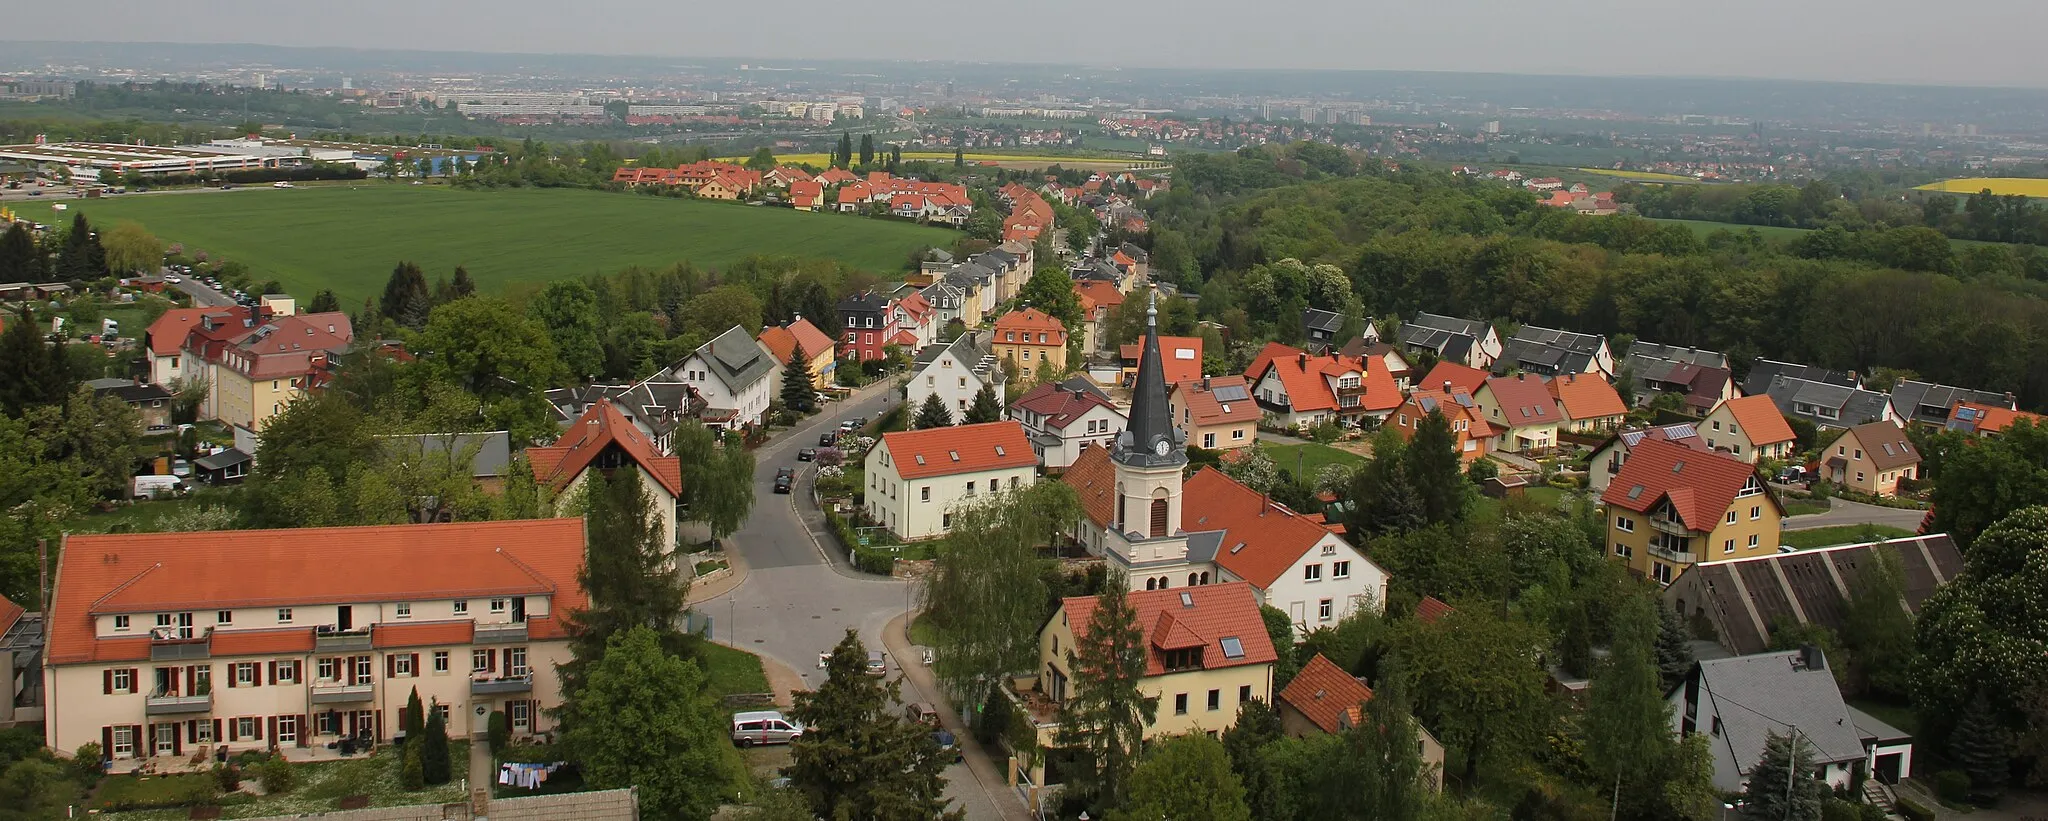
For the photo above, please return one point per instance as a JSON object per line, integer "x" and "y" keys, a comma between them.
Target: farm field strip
{"x": 2023, "y": 186}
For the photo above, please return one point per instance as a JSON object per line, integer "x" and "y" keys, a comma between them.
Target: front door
{"x": 344, "y": 618}
{"x": 166, "y": 739}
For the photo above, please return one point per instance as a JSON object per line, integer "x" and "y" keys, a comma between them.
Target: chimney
{"x": 1447, "y": 386}
{"x": 1265, "y": 502}
{"x": 2010, "y": 402}
{"x": 1205, "y": 386}
{"x": 1811, "y": 658}
{"x": 1304, "y": 360}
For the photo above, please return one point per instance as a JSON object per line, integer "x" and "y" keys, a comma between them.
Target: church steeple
{"x": 1151, "y": 440}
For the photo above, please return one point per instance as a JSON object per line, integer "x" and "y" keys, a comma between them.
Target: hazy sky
{"x": 1975, "y": 42}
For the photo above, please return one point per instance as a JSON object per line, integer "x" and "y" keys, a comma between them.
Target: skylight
{"x": 1000, "y": 451}
{"x": 1232, "y": 648}
{"x": 920, "y": 458}
{"x": 1635, "y": 492}
{"x": 1237, "y": 547}
{"x": 955, "y": 454}
{"x": 1187, "y": 599}
{"x": 1678, "y": 466}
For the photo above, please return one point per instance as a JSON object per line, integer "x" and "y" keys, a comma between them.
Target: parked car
{"x": 1794, "y": 475}
{"x": 948, "y": 746}
{"x": 764, "y": 727}
{"x": 174, "y": 279}
{"x": 826, "y": 440}
{"x": 919, "y": 712}
{"x": 785, "y": 478}
{"x": 807, "y": 455}
{"x": 878, "y": 663}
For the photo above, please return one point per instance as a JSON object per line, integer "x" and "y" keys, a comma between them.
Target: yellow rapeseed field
{"x": 2024, "y": 186}
{"x": 1646, "y": 176}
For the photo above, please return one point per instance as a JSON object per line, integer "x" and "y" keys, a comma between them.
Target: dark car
{"x": 807, "y": 454}
{"x": 826, "y": 440}
{"x": 784, "y": 479}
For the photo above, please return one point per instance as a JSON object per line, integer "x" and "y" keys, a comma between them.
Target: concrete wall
{"x": 603, "y": 805}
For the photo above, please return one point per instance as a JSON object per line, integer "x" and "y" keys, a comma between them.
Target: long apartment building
{"x": 163, "y": 644}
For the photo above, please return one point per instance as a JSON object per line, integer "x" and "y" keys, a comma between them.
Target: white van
{"x": 150, "y": 487}
{"x": 764, "y": 727}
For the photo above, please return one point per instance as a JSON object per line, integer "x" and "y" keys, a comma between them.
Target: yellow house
{"x": 1750, "y": 428}
{"x": 1033, "y": 339}
{"x": 1871, "y": 458}
{"x": 1671, "y": 507}
{"x": 783, "y": 340}
{"x": 1216, "y": 412}
{"x": 1207, "y": 653}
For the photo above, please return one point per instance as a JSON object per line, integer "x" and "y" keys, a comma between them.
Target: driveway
{"x": 1843, "y": 512}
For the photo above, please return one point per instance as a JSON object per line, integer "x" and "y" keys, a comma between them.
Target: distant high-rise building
{"x": 259, "y": 80}
{"x": 1492, "y": 127}
{"x": 347, "y": 83}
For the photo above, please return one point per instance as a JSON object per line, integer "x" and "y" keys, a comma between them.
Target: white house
{"x": 734, "y": 375}
{"x": 1067, "y": 418}
{"x": 956, "y": 371}
{"x": 916, "y": 479}
{"x": 1739, "y": 701}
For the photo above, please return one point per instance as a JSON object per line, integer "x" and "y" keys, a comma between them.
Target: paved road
{"x": 798, "y": 599}
{"x": 1844, "y": 512}
{"x": 202, "y": 296}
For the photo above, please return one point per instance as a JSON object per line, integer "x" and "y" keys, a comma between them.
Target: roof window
{"x": 1232, "y": 647}
{"x": 955, "y": 454}
{"x": 1187, "y": 599}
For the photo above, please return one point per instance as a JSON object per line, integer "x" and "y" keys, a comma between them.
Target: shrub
{"x": 874, "y": 561}
{"x": 1952, "y": 786}
{"x": 228, "y": 776}
{"x": 1913, "y": 811}
{"x": 500, "y": 732}
{"x": 277, "y": 775}
{"x": 411, "y": 773}
{"x": 1838, "y": 810}
{"x": 86, "y": 762}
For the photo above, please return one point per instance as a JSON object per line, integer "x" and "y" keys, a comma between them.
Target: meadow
{"x": 348, "y": 238}
{"x": 1639, "y": 176}
{"x": 2024, "y": 186}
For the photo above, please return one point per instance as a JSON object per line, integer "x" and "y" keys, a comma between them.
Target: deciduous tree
{"x": 130, "y": 248}
{"x": 568, "y": 310}
{"x": 1981, "y": 632}
{"x": 646, "y": 719}
{"x": 987, "y": 592}
{"x": 719, "y": 309}
{"x": 1183, "y": 777}
{"x": 628, "y": 573}
{"x": 1478, "y": 682}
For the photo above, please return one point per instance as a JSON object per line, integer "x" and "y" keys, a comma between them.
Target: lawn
{"x": 1705, "y": 227}
{"x": 1312, "y": 457}
{"x": 320, "y": 788}
{"x": 1845, "y": 534}
{"x": 732, "y": 670}
{"x": 1803, "y": 507}
{"x": 2024, "y": 186}
{"x": 1640, "y": 176}
{"x": 349, "y": 238}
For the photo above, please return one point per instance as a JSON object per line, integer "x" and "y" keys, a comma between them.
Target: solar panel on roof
{"x": 1232, "y": 393}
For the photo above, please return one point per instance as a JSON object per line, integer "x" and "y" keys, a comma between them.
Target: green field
{"x": 1310, "y": 457}
{"x": 1705, "y": 227}
{"x": 349, "y": 238}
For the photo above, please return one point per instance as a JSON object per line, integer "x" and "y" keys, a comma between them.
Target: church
{"x": 1164, "y": 529}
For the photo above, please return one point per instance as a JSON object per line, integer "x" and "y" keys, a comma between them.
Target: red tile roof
{"x": 1216, "y": 612}
{"x": 423, "y": 634}
{"x": 157, "y": 572}
{"x": 1029, "y": 321}
{"x": 806, "y": 193}
{"x": 1760, "y": 420}
{"x": 1311, "y": 380}
{"x": 1200, "y": 397}
{"x": 1061, "y": 407}
{"x": 1179, "y": 356}
{"x": 1326, "y": 695}
{"x": 1994, "y": 418}
{"x": 1264, "y": 538}
{"x": 1523, "y": 401}
{"x": 557, "y": 465}
{"x": 1461, "y": 378}
{"x": 917, "y": 454}
{"x": 1430, "y": 609}
{"x": 1265, "y": 356}
{"x": 261, "y": 642}
{"x": 1093, "y": 478}
{"x": 784, "y": 340}
{"x": 1421, "y": 402}
{"x": 1095, "y": 293}
{"x": 9, "y": 614}
{"x": 1701, "y": 486}
{"x": 167, "y": 334}
{"x": 1586, "y": 397}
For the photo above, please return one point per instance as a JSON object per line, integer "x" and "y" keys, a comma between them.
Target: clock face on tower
{"x": 1161, "y": 447}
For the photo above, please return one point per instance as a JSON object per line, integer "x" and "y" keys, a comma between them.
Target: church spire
{"x": 1151, "y": 439}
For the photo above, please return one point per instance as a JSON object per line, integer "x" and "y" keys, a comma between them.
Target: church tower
{"x": 1150, "y": 453}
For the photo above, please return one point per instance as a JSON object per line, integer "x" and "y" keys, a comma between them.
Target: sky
{"x": 1956, "y": 42}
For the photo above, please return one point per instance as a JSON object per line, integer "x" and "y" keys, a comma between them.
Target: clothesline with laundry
{"x": 527, "y": 776}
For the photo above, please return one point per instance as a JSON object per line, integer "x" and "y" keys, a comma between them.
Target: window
{"x": 123, "y": 681}
{"x": 120, "y": 624}
{"x": 1237, "y": 434}
{"x": 328, "y": 669}
{"x": 287, "y": 672}
{"x": 284, "y": 615}
{"x": 362, "y": 669}
{"x": 1661, "y": 572}
{"x": 1624, "y": 551}
{"x": 970, "y": 488}
{"x": 202, "y": 732}
{"x": 1209, "y": 440}
{"x": 163, "y": 619}
{"x": 497, "y": 605}
{"x": 1312, "y": 573}
{"x": 1859, "y": 476}
{"x": 1180, "y": 704}
{"x": 1717, "y": 425}
{"x": 479, "y": 660}
{"x": 245, "y": 728}
{"x": 404, "y": 610}
{"x": 521, "y": 715}
{"x": 327, "y": 723}
{"x": 440, "y": 661}
{"x": 1731, "y": 517}
{"x": 462, "y": 608}
{"x": 1244, "y": 693}
{"x": 1215, "y": 700}
{"x": 287, "y": 729}
{"x": 224, "y": 617}
{"x": 945, "y": 521}
{"x": 1859, "y": 453}
{"x": 124, "y": 741}
{"x": 1326, "y": 610}
{"x": 1752, "y": 541}
{"x": 1728, "y": 546}
{"x": 401, "y": 664}
{"x": 515, "y": 661}
{"x": 1624, "y": 524}
{"x": 245, "y": 674}
{"x": 1340, "y": 570}
{"x": 1756, "y": 513}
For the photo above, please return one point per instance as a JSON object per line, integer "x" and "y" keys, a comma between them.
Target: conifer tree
{"x": 1674, "y": 648}
{"x": 844, "y": 156}
{"x": 984, "y": 408}
{"x": 1435, "y": 470}
{"x": 435, "y": 765}
{"x": 81, "y": 257}
{"x": 413, "y": 719}
{"x": 1982, "y": 747}
{"x": 1627, "y": 721}
{"x": 406, "y": 299}
{"x": 20, "y": 259}
{"x": 867, "y": 149}
{"x": 324, "y": 302}
{"x": 857, "y": 757}
{"x": 461, "y": 286}
{"x": 798, "y": 396}
{"x": 1780, "y": 786}
{"x": 1107, "y": 714}
{"x": 32, "y": 370}
{"x": 628, "y": 574}
{"x": 933, "y": 413}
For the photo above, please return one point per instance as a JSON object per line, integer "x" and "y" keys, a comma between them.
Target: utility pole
{"x": 1791, "y": 770}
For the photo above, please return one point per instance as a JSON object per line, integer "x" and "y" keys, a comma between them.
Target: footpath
{"x": 920, "y": 685}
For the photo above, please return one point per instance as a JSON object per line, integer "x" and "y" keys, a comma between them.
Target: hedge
{"x": 1913, "y": 811}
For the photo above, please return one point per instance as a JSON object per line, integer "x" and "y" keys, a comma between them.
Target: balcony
{"x": 1674, "y": 556}
{"x": 500, "y": 633}
{"x": 501, "y": 685}
{"x": 165, "y": 645}
{"x": 1351, "y": 390}
{"x": 337, "y": 693}
{"x": 327, "y": 639}
{"x": 165, "y": 704}
{"x": 1671, "y": 526}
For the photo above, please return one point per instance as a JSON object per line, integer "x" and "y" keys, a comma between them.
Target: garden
{"x": 256, "y": 785}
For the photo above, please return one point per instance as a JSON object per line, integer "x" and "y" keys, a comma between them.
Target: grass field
{"x": 1705, "y": 227}
{"x": 1643, "y": 176}
{"x": 1845, "y": 534}
{"x": 2024, "y": 186}
{"x": 349, "y": 238}
{"x": 1313, "y": 456}
{"x": 822, "y": 160}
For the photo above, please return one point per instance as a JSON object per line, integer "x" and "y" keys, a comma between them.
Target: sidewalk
{"x": 481, "y": 776}
{"x": 736, "y": 575}
{"x": 920, "y": 685}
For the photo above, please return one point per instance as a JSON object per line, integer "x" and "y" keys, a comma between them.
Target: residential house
{"x": 1524, "y": 415}
{"x": 1180, "y": 355}
{"x": 485, "y": 456}
{"x": 864, "y": 326}
{"x": 1215, "y": 413}
{"x": 1067, "y": 418}
{"x": 602, "y": 441}
{"x": 1302, "y": 390}
{"x": 1398, "y": 365}
{"x": 151, "y": 403}
{"x": 1671, "y": 507}
{"x": 800, "y": 335}
{"x": 1553, "y": 352}
{"x": 1164, "y": 530}
{"x": 1322, "y": 327}
{"x": 1468, "y": 342}
{"x": 1098, "y": 301}
{"x": 785, "y": 176}
{"x": 1740, "y": 702}
{"x": 1451, "y": 377}
{"x": 1765, "y": 371}
{"x": 1979, "y": 419}
{"x": 917, "y": 478}
{"x": 1928, "y": 404}
{"x": 806, "y": 195}
{"x": 655, "y": 405}
{"x": 1472, "y": 434}
{"x": 256, "y": 363}
{"x": 260, "y": 639}
{"x": 226, "y": 466}
{"x": 1700, "y": 378}
{"x": 1750, "y": 428}
{"x": 165, "y": 339}
{"x": 1590, "y": 405}
{"x": 22, "y": 637}
{"x": 1743, "y": 600}
{"x": 1322, "y": 698}
{"x": 736, "y": 377}
{"x": 914, "y": 321}
{"x": 1871, "y": 458}
{"x": 1034, "y": 340}
{"x": 1608, "y": 458}
{"x": 956, "y": 371}
{"x": 1828, "y": 405}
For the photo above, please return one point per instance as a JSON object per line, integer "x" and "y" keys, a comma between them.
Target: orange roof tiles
{"x": 1992, "y": 418}
{"x": 1326, "y": 695}
{"x": 1265, "y": 538}
{"x": 9, "y": 614}
{"x": 557, "y": 465}
{"x": 1095, "y": 293}
{"x": 1586, "y": 397}
{"x": 1029, "y": 321}
{"x": 1430, "y": 609}
{"x": 1760, "y": 420}
{"x": 167, "y": 334}
{"x": 785, "y": 339}
{"x": 1523, "y": 401}
{"x": 918, "y": 454}
{"x": 1200, "y": 397}
{"x": 1179, "y": 356}
{"x": 1215, "y": 612}
{"x": 157, "y": 572}
{"x": 1093, "y": 478}
{"x": 1700, "y": 486}
{"x": 1462, "y": 378}
{"x": 423, "y": 634}
{"x": 1311, "y": 380}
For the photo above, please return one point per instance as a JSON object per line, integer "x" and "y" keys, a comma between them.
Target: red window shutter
{"x": 216, "y": 731}
{"x": 273, "y": 672}
{"x": 134, "y": 680}
{"x": 273, "y": 728}
{"x": 106, "y": 742}
{"x": 416, "y": 664}
{"x": 305, "y": 728}
{"x": 390, "y": 666}
{"x": 380, "y": 724}
{"x": 106, "y": 683}
{"x": 177, "y": 742}
{"x": 234, "y": 731}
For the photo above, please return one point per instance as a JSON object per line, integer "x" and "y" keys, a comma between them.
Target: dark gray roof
{"x": 1766, "y": 693}
{"x": 971, "y": 348}
{"x": 1321, "y": 320}
{"x": 1801, "y": 399}
{"x": 127, "y": 391}
{"x": 1151, "y": 417}
{"x": 221, "y": 460}
{"x": 1136, "y": 253}
{"x": 1675, "y": 353}
{"x": 866, "y": 302}
{"x": 1928, "y": 402}
{"x": 490, "y": 451}
{"x": 1543, "y": 350}
{"x": 1744, "y": 598}
{"x": 1202, "y": 546}
{"x": 1449, "y": 345}
{"x": 656, "y": 402}
{"x": 736, "y": 359}
{"x": 1469, "y": 327}
{"x": 1763, "y": 371}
